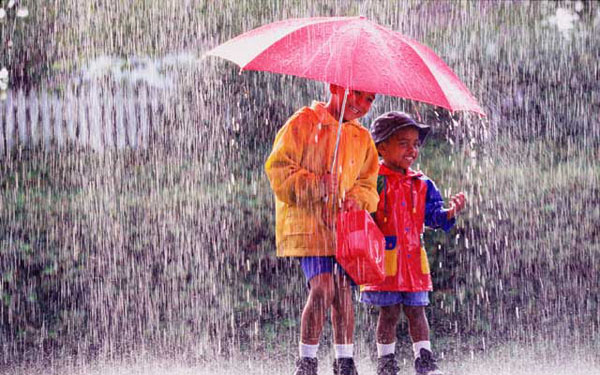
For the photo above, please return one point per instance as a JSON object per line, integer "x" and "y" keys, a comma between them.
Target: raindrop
{"x": 138, "y": 226}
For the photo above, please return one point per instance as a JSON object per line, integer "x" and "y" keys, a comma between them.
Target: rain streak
{"x": 137, "y": 225}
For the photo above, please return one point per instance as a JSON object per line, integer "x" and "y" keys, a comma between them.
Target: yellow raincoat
{"x": 302, "y": 153}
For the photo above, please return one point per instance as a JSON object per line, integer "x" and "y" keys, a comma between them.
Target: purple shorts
{"x": 394, "y": 298}
{"x": 313, "y": 266}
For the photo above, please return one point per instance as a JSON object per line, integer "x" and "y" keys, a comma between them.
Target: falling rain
{"x": 137, "y": 223}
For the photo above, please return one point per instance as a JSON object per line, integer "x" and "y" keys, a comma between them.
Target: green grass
{"x": 114, "y": 251}
{"x": 99, "y": 253}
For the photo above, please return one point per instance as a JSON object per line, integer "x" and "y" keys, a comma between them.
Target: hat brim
{"x": 423, "y": 130}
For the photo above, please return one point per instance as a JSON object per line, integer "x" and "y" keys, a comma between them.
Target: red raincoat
{"x": 407, "y": 202}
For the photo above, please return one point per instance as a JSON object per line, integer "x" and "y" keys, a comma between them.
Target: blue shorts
{"x": 394, "y": 298}
{"x": 313, "y": 266}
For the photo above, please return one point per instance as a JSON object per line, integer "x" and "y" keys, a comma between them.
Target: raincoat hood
{"x": 385, "y": 171}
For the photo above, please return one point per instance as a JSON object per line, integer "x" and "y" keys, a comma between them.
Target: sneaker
{"x": 306, "y": 366}
{"x": 344, "y": 366}
{"x": 387, "y": 365}
{"x": 425, "y": 364}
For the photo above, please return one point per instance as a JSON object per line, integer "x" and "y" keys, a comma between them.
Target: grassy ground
{"x": 103, "y": 254}
{"x": 172, "y": 251}
{"x": 538, "y": 358}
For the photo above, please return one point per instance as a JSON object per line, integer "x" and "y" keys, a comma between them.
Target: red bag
{"x": 360, "y": 247}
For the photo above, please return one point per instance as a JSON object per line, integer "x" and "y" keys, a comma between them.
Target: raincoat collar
{"x": 326, "y": 118}
{"x": 385, "y": 171}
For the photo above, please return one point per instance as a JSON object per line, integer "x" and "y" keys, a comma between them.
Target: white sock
{"x": 309, "y": 351}
{"x": 417, "y": 346}
{"x": 385, "y": 349}
{"x": 344, "y": 350}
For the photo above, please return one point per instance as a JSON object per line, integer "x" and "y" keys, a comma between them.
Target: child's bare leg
{"x": 313, "y": 315}
{"x": 418, "y": 327}
{"x": 342, "y": 321}
{"x": 342, "y": 310}
{"x": 387, "y": 323}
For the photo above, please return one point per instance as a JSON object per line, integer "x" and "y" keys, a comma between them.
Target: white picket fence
{"x": 94, "y": 116}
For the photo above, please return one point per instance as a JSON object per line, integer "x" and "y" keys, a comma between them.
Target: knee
{"x": 389, "y": 315}
{"x": 414, "y": 313}
{"x": 321, "y": 291}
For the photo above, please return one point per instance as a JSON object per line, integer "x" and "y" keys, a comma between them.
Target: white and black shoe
{"x": 306, "y": 366}
{"x": 387, "y": 365}
{"x": 426, "y": 364}
{"x": 344, "y": 366}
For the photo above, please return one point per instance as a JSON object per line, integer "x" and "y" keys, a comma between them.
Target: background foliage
{"x": 171, "y": 248}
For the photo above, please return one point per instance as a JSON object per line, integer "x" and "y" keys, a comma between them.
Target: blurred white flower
{"x": 22, "y": 12}
{"x": 134, "y": 69}
{"x": 564, "y": 19}
{"x": 2, "y": 13}
{"x": 9, "y": 43}
{"x": 491, "y": 50}
{"x": 579, "y": 6}
{"x": 3, "y": 95}
{"x": 11, "y": 4}
{"x": 3, "y": 80}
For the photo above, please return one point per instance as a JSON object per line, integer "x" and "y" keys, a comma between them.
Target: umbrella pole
{"x": 334, "y": 170}
{"x": 339, "y": 134}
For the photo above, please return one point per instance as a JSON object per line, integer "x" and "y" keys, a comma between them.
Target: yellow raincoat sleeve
{"x": 291, "y": 183}
{"x": 364, "y": 191}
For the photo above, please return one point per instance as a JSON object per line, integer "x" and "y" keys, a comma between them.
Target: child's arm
{"x": 363, "y": 195}
{"x": 436, "y": 216}
{"x": 290, "y": 182}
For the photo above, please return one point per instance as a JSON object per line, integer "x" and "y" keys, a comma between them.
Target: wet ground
{"x": 506, "y": 360}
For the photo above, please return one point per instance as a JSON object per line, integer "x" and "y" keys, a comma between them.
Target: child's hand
{"x": 329, "y": 185}
{"x": 457, "y": 203}
{"x": 350, "y": 205}
{"x": 329, "y": 213}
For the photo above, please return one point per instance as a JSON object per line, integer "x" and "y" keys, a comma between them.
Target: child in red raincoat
{"x": 408, "y": 201}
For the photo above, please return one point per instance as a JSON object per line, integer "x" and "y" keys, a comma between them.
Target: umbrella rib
{"x": 409, "y": 43}
{"x": 220, "y": 51}
{"x": 322, "y": 47}
{"x": 324, "y": 20}
{"x": 272, "y": 44}
{"x": 354, "y": 54}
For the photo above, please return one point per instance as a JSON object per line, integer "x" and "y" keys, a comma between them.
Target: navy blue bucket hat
{"x": 385, "y": 125}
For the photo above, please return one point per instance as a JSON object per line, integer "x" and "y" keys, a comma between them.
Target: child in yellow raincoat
{"x": 298, "y": 170}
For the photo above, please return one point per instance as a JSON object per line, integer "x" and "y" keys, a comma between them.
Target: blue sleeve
{"x": 435, "y": 214}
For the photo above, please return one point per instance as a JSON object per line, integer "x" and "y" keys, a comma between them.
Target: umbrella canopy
{"x": 354, "y": 53}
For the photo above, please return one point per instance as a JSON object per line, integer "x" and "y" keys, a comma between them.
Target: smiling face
{"x": 358, "y": 103}
{"x": 401, "y": 149}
